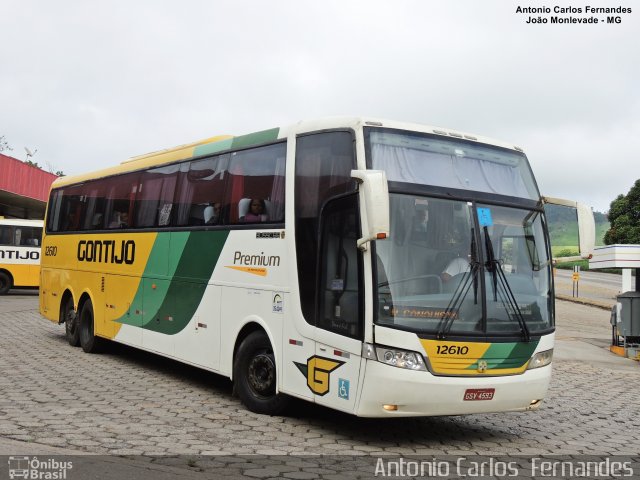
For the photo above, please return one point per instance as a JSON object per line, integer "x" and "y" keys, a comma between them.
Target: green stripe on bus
{"x": 507, "y": 355}
{"x": 256, "y": 138}
{"x": 251, "y": 139}
{"x": 186, "y": 289}
{"x": 156, "y": 263}
{"x": 211, "y": 148}
{"x": 169, "y": 304}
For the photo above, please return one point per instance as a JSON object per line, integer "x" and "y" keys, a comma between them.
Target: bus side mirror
{"x": 374, "y": 195}
{"x": 586, "y": 227}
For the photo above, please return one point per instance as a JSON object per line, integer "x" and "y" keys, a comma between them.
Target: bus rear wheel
{"x": 254, "y": 376}
{"x": 88, "y": 341}
{"x": 70, "y": 318}
{"x": 5, "y": 283}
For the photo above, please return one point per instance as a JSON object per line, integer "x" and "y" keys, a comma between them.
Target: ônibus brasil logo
{"x": 35, "y": 469}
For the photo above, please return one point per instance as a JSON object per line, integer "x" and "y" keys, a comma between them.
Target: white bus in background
{"x": 20, "y": 242}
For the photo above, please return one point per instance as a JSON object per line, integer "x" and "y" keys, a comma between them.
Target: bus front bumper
{"x": 389, "y": 391}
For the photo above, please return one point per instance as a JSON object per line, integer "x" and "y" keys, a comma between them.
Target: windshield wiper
{"x": 494, "y": 266}
{"x": 461, "y": 292}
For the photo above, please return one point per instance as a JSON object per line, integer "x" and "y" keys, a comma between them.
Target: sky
{"x": 87, "y": 84}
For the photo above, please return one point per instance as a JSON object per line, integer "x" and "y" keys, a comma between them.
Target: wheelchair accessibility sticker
{"x": 343, "y": 388}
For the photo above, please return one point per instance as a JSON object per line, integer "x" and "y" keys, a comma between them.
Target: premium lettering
{"x": 107, "y": 251}
{"x": 256, "y": 260}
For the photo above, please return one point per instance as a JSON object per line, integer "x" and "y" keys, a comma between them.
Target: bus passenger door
{"x": 340, "y": 316}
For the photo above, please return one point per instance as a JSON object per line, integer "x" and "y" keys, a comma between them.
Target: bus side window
{"x": 323, "y": 170}
{"x": 6, "y": 235}
{"x": 55, "y": 209}
{"x": 200, "y": 191}
{"x": 120, "y": 197}
{"x": 27, "y": 237}
{"x": 257, "y": 173}
{"x": 154, "y": 201}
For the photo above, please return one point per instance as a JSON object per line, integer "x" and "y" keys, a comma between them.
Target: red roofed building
{"x": 24, "y": 189}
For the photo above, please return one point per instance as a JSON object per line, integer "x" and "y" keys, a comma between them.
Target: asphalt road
{"x": 601, "y": 287}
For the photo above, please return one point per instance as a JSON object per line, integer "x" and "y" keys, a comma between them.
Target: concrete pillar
{"x": 626, "y": 280}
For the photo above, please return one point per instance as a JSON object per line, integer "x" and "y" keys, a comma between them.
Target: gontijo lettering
{"x": 107, "y": 251}
{"x": 18, "y": 255}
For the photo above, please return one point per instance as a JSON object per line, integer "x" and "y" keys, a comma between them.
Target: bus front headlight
{"x": 400, "y": 358}
{"x": 540, "y": 359}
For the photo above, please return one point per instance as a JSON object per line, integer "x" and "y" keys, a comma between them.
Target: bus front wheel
{"x": 88, "y": 341}
{"x": 5, "y": 283}
{"x": 254, "y": 376}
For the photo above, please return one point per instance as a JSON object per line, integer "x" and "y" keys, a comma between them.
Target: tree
{"x": 624, "y": 216}
{"x": 4, "y": 145}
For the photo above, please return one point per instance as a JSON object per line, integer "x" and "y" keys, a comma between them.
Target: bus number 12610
{"x": 452, "y": 350}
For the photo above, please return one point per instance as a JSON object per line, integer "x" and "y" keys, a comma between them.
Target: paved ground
{"x": 54, "y": 398}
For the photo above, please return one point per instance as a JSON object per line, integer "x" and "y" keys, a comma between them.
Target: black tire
{"x": 6, "y": 282}
{"x": 68, "y": 315}
{"x": 254, "y": 376}
{"x": 88, "y": 341}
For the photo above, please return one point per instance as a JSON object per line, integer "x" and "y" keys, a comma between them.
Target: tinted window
{"x": 323, "y": 170}
{"x": 54, "y": 211}
{"x": 28, "y": 236}
{"x": 6, "y": 235}
{"x": 212, "y": 191}
{"x": 201, "y": 192}
{"x": 435, "y": 160}
{"x": 120, "y": 194}
{"x": 154, "y": 201}
{"x": 93, "y": 213}
{"x": 72, "y": 209}
{"x": 256, "y": 177}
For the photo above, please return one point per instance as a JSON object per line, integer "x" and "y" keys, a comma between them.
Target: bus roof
{"x": 222, "y": 143}
{"x": 21, "y": 222}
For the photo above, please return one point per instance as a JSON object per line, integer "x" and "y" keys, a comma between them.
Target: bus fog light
{"x": 540, "y": 359}
{"x": 400, "y": 358}
{"x": 390, "y": 408}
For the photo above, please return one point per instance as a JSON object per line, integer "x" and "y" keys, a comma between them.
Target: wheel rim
{"x": 262, "y": 374}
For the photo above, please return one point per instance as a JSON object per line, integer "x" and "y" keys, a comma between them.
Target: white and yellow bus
{"x": 375, "y": 267}
{"x": 19, "y": 253}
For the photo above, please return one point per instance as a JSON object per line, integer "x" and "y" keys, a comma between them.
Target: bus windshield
{"x": 457, "y": 267}
{"x": 425, "y": 159}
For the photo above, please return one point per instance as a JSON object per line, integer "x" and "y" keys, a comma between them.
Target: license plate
{"x": 473, "y": 394}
